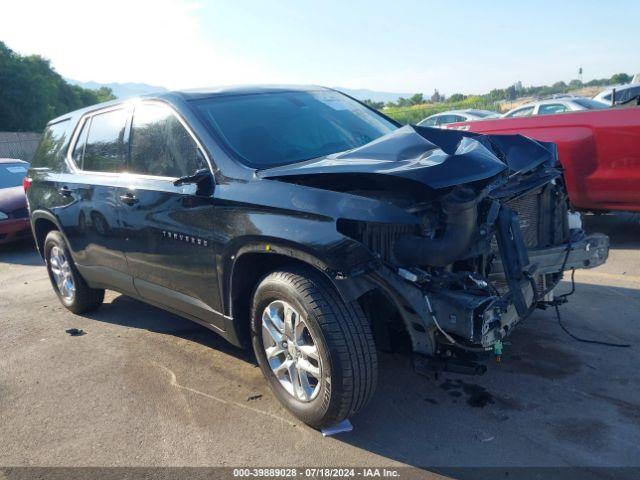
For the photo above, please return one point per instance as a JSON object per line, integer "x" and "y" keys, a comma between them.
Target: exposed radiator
{"x": 542, "y": 215}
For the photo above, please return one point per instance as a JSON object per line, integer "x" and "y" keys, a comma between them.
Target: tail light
{"x": 26, "y": 183}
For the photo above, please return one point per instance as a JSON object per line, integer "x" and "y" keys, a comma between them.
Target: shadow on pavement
{"x": 22, "y": 252}
{"x": 551, "y": 402}
{"x": 129, "y": 312}
{"x": 622, "y": 228}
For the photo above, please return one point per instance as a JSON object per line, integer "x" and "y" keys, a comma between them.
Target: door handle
{"x": 64, "y": 191}
{"x": 129, "y": 199}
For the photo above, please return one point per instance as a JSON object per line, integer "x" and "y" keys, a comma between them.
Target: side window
{"x": 429, "y": 122}
{"x": 105, "y": 149}
{"x": 552, "y": 108}
{"x": 450, "y": 118}
{"x": 160, "y": 145}
{"x": 49, "y": 153}
{"x": 523, "y": 112}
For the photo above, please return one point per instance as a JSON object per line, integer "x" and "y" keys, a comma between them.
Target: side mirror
{"x": 196, "y": 177}
{"x": 202, "y": 178}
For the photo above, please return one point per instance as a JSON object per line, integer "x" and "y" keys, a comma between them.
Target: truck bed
{"x": 599, "y": 150}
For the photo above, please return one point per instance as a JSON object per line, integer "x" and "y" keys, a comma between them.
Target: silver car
{"x": 453, "y": 116}
{"x": 624, "y": 93}
{"x": 554, "y": 105}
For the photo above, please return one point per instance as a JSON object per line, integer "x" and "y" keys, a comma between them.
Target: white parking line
{"x": 174, "y": 383}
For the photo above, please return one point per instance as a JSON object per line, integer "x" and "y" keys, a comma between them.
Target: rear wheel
{"x": 316, "y": 351}
{"x": 72, "y": 290}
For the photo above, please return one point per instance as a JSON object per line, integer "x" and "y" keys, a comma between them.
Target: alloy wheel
{"x": 291, "y": 350}
{"x": 62, "y": 275}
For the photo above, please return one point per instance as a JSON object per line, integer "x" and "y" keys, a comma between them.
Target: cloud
{"x": 158, "y": 42}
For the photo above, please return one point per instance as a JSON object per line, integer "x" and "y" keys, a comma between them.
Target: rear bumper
{"x": 14, "y": 229}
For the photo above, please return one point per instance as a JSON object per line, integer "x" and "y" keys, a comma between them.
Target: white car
{"x": 554, "y": 105}
{"x": 624, "y": 93}
{"x": 453, "y": 116}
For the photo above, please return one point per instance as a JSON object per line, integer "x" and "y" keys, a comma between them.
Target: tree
{"x": 32, "y": 93}
{"x": 456, "y": 97}
{"x": 416, "y": 99}
{"x": 437, "y": 97}
{"x": 620, "y": 78}
{"x": 372, "y": 104}
{"x": 575, "y": 83}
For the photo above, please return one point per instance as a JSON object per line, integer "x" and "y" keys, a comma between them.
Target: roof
{"x": 11, "y": 160}
{"x": 468, "y": 111}
{"x": 619, "y": 88}
{"x": 245, "y": 90}
{"x": 548, "y": 101}
{"x": 192, "y": 94}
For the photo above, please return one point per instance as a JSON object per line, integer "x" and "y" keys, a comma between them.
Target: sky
{"x": 396, "y": 46}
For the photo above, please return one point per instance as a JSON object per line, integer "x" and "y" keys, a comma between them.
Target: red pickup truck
{"x": 599, "y": 150}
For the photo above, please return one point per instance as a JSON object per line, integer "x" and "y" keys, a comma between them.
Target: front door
{"x": 169, "y": 229}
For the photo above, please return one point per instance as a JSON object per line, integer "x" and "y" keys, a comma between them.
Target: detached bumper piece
{"x": 589, "y": 251}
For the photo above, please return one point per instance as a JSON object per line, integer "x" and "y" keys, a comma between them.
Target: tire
{"x": 340, "y": 334}
{"x": 83, "y": 298}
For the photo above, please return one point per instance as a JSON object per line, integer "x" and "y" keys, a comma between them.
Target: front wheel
{"x": 315, "y": 350}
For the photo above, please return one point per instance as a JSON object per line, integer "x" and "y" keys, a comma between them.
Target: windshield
{"x": 269, "y": 129}
{"x": 484, "y": 113}
{"x": 589, "y": 104}
{"x": 11, "y": 174}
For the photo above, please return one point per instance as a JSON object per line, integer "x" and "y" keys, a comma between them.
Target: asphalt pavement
{"x": 143, "y": 387}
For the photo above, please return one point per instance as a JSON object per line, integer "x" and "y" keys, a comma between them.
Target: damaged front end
{"x": 493, "y": 231}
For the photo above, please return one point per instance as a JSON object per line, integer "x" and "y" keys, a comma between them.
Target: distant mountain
{"x": 120, "y": 90}
{"x": 364, "y": 94}
{"x": 123, "y": 90}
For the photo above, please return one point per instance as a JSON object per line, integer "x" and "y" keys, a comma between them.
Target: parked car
{"x": 14, "y": 216}
{"x": 299, "y": 221}
{"x": 452, "y": 116}
{"x": 623, "y": 94}
{"x": 598, "y": 149}
{"x": 554, "y": 105}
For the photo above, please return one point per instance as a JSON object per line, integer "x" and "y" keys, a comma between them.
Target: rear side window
{"x": 160, "y": 145}
{"x": 626, "y": 94}
{"x": 50, "y": 151}
{"x": 104, "y": 150}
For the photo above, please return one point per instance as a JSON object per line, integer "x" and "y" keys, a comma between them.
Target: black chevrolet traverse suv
{"x": 301, "y": 222}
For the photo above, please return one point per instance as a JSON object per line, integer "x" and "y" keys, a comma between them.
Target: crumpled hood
{"x": 12, "y": 199}
{"x": 437, "y": 158}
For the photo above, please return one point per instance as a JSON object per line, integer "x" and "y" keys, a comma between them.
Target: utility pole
{"x": 580, "y": 73}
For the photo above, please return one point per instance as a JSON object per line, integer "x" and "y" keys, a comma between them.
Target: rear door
{"x": 168, "y": 228}
{"x": 89, "y": 205}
